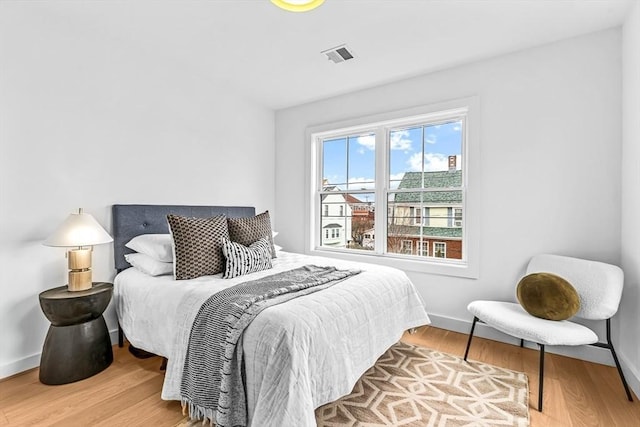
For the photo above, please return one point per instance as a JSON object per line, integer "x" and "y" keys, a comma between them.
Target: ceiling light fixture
{"x": 297, "y": 5}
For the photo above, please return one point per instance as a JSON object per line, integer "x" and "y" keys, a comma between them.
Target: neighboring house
{"x": 362, "y": 220}
{"x": 427, "y": 223}
{"x": 336, "y": 219}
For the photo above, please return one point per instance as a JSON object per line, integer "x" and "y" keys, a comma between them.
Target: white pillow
{"x": 148, "y": 265}
{"x": 157, "y": 246}
{"x": 278, "y": 248}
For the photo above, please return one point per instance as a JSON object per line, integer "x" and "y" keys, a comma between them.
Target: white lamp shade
{"x": 79, "y": 229}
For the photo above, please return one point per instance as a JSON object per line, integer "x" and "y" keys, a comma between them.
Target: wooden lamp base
{"x": 79, "y": 269}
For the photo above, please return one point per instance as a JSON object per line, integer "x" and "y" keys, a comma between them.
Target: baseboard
{"x": 19, "y": 365}
{"x": 33, "y": 361}
{"x": 632, "y": 376}
{"x": 585, "y": 352}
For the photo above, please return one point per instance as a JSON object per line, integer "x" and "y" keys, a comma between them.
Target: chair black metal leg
{"x": 120, "y": 336}
{"x": 541, "y": 377}
{"x": 473, "y": 326}
{"x": 615, "y": 359}
{"x": 521, "y": 342}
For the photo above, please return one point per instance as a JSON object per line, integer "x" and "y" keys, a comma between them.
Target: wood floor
{"x": 577, "y": 393}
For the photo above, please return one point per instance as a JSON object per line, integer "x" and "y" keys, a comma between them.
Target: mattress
{"x": 298, "y": 355}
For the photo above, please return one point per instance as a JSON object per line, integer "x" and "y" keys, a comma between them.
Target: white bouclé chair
{"x": 599, "y": 286}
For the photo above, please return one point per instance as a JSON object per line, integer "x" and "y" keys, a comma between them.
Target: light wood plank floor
{"x": 577, "y": 393}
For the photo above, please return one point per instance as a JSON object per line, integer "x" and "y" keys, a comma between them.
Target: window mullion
{"x": 382, "y": 182}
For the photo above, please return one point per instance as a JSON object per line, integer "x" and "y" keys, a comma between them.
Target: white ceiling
{"x": 273, "y": 56}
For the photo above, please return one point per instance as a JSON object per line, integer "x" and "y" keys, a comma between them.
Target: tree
{"x": 359, "y": 226}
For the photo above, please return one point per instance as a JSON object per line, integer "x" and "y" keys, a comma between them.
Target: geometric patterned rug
{"x": 414, "y": 386}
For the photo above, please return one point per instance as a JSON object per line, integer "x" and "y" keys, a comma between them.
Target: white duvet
{"x": 298, "y": 355}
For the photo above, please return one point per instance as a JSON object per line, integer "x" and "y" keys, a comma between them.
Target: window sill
{"x": 443, "y": 268}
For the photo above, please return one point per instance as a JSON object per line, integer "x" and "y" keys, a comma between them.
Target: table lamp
{"x": 79, "y": 231}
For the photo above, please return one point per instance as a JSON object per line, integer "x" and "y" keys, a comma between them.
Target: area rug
{"x": 414, "y": 386}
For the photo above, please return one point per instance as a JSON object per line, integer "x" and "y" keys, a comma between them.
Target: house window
{"x": 423, "y": 248}
{"x": 325, "y": 209}
{"x": 411, "y": 174}
{"x": 348, "y": 176}
{"x": 439, "y": 249}
{"x": 457, "y": 217}
{"x": 414, "y": 215}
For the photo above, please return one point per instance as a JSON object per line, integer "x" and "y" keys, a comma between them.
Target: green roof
{"x": 441, "y": 179}
{"x": 408, "y": 230}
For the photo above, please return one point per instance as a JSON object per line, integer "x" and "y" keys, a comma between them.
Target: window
{"x": 457, "y": 217}
{"x": 439, "y": 249}
{"x": 395, "y": 184}
{"x": 423, "y": 248}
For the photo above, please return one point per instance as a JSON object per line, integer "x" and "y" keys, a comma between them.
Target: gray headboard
{"x": 132, "y": 220}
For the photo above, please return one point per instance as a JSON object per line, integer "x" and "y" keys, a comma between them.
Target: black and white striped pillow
{"x": 244, "y": 260}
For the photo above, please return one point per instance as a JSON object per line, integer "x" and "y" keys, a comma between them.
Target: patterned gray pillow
{"x": 248, "y": 230}
{"x": 244, "y": 260}
{"x": 198, "y": 245}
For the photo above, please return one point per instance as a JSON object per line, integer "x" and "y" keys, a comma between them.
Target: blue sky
{"x": 408, "y": 154}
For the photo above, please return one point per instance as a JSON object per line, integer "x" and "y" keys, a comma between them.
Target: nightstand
{"x": 78, "y": 343}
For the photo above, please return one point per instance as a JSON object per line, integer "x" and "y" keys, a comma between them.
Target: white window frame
{"x": 380, "y": 124}
{"x": 434, "y": 250}
{"x": 423, "y": 248}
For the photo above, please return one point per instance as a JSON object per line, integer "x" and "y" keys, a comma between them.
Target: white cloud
{"x": 367, "y": 141}
{"x": 361, "y": 183}
{"x": 435, "y": 162}
{"x": 415, "y": 162}
{"x": 395, "y": 179}
{"x": 432, "y": 162}
{"x": 457, "y": 128}
{"x": 431, "y": 138}
{"x": 399, "y": 140}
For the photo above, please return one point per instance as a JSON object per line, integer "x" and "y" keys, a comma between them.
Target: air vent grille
{"x": 339, "y": 54}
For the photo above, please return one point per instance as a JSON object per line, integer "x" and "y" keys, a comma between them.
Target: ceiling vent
{"x": 339, "y": 54}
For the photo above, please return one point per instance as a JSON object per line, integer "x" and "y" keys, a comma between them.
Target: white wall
{"x": 89, "y": 121}
{"x": 629, "y": 319}
{"x": 550, "y": 160}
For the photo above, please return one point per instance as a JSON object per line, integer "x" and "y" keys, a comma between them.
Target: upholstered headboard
{"x": 132, "y": 220}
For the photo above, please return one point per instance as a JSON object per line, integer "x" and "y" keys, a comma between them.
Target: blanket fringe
{"x": 197, "y": 412}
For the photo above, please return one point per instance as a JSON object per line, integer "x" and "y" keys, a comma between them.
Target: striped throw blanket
{"x": 212, "y": 381}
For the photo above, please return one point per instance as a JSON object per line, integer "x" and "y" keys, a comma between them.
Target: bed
{"x": 298, "y": 355}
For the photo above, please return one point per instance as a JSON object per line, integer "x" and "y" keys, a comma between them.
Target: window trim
{"x": 469, "y": 267}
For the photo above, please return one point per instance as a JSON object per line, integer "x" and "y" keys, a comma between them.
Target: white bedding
{"x": 330, "y": 338}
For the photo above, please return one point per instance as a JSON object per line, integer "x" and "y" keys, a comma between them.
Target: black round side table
{"x": 78, "y": 343}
